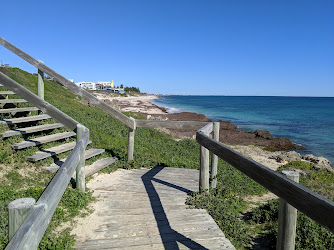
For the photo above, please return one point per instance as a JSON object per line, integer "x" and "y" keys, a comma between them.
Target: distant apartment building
{"x": 87, "y": 85}
{"x": 106, "y": 86}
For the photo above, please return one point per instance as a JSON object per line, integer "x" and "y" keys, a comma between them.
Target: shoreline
{"x": 259, "y": 145}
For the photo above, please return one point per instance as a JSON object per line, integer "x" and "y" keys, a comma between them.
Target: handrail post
{"x": 40, "y": 84}
{"x": 287, "y": 219}
{"x": 214, "y": 158}
{"x": 204, "y": 169}
{"x": 131, "y": 140}
{"x": 80, "y": 170}
{"x": 17, "y": 212}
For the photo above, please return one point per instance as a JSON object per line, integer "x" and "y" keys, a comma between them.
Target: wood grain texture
{"x": 31, "y": 231}
{"x": 14, "y": 110}
{"x": 42, "y": 140}
{"x": 5, "y": 101}
{"x": 17, "y": 212}
{"x": 287, "y": 220}
{"x": 64, "y": 81}
{"x": 150, "y": 214}
{"x": 207, "y": 129}
{"x": 25, "y": 119}
{"x": 40, "y": 155}
{"x": 7, "y": 93}
{"x": 29, "y": 130}
{"x": 214, "y": 158}
{"x": 305, "y": 200}
{"x": 44, "y": 106}
{"x": 88, "y": 154}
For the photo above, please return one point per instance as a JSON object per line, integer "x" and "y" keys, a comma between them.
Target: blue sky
{"x": 232, "y": 47}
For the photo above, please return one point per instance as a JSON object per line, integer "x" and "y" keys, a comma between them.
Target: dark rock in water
{"x": 188, "y": 116}
{"x": 263, "y": 134}
{"x": 229, "y": 132}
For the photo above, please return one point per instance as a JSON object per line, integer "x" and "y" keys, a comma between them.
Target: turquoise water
{"x": 307, "y": 121}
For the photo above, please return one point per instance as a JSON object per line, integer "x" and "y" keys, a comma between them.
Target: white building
{"x": 87, "y": 85}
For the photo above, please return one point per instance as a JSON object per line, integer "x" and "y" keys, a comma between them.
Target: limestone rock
{"x": 286, "y": 156}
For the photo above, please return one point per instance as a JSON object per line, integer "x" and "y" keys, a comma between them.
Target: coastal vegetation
{"x": 243, "y": 222}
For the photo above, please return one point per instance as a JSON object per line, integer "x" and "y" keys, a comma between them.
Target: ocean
{"x": 306, "y": 121}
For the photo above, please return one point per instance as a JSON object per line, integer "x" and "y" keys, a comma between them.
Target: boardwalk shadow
{"x": 168, "y": 235}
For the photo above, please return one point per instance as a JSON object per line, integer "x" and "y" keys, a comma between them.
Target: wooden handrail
{"x": 67, "y": 83}
{"x": 32, "y": 229}
{"x": 38, "y": 102}
{"x": 170, "y": 124}
{"x": 307, "y": 201}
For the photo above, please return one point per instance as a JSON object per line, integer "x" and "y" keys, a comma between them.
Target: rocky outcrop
{"x": 229, "y": 132}
{"x": 286, "y": 156}
{"x": 320, "y": 162}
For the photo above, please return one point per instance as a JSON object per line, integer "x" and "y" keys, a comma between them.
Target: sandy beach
{"x": 138, "y": 104}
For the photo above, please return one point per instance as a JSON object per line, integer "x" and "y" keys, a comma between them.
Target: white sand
{"x": 138, "y": 104}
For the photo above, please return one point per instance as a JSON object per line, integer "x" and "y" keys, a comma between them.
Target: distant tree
{"x": 121, "y": 86}
{"x": 131, "y": 89}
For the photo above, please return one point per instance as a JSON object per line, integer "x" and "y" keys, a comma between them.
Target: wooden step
{"x": 42, "y": 140}
{"x": 5, "y": 101}
{"x": 13, "y": 110}
{"x": 88, "y": 154}
{"x": 29, "y": 130}
{"x": 97, "y": 166}
{"x": 7, "y": 93}
{"x": 40, "y": 155}
{"x": 25, "y": 119}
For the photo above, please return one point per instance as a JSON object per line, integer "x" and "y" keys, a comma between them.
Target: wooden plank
{"x": 5, "y": 101}
{"x": 40, "y": 155}
{"x": 25, "y": 119}
{"x": 214, "y": 158}
{"x": 31, "y": 231}
{"x": 207, "y": 129}
{"x": 42, "y": 140}
{"x": 131, "y": 141}
{"x": 305, "y": 200}
{"x": 80, "y": 183}
{"x": 13, "y": 110}
{"x": 17, "y": 212}
{"x": 141, "y": 215}
{"x": 29, "y": 130}
{"x": 170, "y": 124}
{"x": 88, "y": 154}
{"x": 44, "y": 106}
{"x": 98, "y": 165}
{"x": 287, "y": 219}
{"x": 64, "y": 81}
{"x": 7, "y": 93}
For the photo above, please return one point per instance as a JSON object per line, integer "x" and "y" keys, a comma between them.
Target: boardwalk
{"x": 145, "y": 209}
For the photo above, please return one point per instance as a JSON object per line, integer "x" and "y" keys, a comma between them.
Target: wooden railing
{"x": 28, "y": 220}
{"x": 315, "y": 206}
{"x": 30, "y": 233}
{"x": 128, "y": 121}
{"x": 310, "y": 203}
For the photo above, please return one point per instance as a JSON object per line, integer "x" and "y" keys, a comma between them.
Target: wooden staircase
{"x": 25, "y": 124}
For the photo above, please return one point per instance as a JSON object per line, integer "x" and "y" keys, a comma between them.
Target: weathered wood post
{"x": 131, "y": 140}
{"x": 17, "y": 212}
{"x": 40, "y": 84}
{"x": 287, "y": 219}
{"x": 204, "y": 175}
{"x": 80, "y": 170}
{"x": 214, "y": 158}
